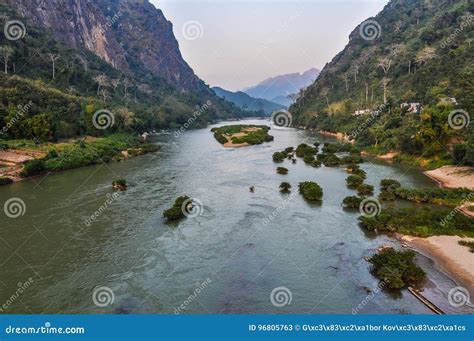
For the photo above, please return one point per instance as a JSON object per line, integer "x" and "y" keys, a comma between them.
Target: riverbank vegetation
{"x": 240, "y": 134}
{"x": 69, "y": 154}
{"x": 424, "y": 221}
{"x": 468, "y": 244}
{"x": 352, "y": 202}
{"x": 397, "y": 268}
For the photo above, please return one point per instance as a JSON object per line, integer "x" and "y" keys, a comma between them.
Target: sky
{"x": 238, "y": 43}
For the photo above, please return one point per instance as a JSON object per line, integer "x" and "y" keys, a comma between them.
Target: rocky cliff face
{"x": 128, "y": 34}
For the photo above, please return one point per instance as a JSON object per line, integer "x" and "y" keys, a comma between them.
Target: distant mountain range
{"x": 248, "y": 103}
{"x": 277, "y": 89}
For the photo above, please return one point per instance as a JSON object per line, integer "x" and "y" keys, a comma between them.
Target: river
{"x": 226, "y": 260}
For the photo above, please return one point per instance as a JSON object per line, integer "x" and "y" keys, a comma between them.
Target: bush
{"x": 303, "y": 149}
{"x": 282, "y": 170}
{"x": 311, "y": 191}
{"x": 329, "y": 160}
{"x": 278, "y": 157}
{"x": 120, "y": 184}
{"x": 289, "y": 150}
{"x": 350, "y": 168}
{"x": 352, "y": 159}
{"x": 360, "y": 173}
{"x": 308, "y": 159}
{"x": 389, "y": 185}
{"x": 176, "y": 212}
{"x": 5, "y": 181}
{"x": 32, "y": 168}
{"x": 364, "y": 189}
{"x": 316, "y": 163}
{"x": 354, "y": 181}
{"x": 352, "y": 202}
{"x": 285, "y": 187}
{"x": 397, "y": 268}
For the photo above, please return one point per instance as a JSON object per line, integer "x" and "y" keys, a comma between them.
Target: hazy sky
{"x": 238, "y": 43}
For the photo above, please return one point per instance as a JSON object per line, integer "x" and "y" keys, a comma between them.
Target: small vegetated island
{"x": 242, "y": 135}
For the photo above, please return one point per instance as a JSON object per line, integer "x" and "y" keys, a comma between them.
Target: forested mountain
{"x": 67, "y": 59}
{"x": 413, "y": 51}
{"x": 248, "y": 103}
{"x": 278, "y": 88}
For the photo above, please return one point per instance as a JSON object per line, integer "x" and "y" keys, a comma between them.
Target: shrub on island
{"x": 282, "y": 170}
{"x": 175, "y": 212}
{"x": 285, "y": 187}
{"x": 278, "y": 157}
{"x": 352, "y": 202}
{"x": 119, "y": 184}
{"x": 397, "y": 268}
{"x": 350, "y": 168}
{"x": 308, "y": 158}
{"x": 311, "y": 191}
{"x": 329, "y": 160}
{"x": 365, "y": 190}
{"x": 352, "y": 159}
{"x": 303, "y": 149}
{"x": 389, "y": 185}
{"x": 360, "y": 173}
{"x": 354, "y": 181}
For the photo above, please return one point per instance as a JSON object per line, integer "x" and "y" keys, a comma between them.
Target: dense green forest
{"x": 413, "y": 51}
{"x": 50, "y": 91}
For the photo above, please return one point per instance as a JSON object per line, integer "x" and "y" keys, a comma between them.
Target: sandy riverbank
{"x": 453, "y": 176}
{"x": 454, "y": 259}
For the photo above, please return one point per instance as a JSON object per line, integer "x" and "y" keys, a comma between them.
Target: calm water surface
{"x": 316, "y": 251}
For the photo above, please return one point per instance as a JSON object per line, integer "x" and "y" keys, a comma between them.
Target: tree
{"x": 428, "y": 53}
{"x": 311, "y": 191}
{"x": 6, "y": 52}
{"x": 53, "y": 57}
{"x": 101, "y": 81}
{"x": 385, "y": 63}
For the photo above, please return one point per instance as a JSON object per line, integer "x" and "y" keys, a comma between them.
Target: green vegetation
{"x": 278, "y": 157}
{"x": 420, "y": 221}
{"x": 397, "y": 268}
{"x": 389, "y": 185}
{"x": 354, "y": 181}
{"x": 119, "y": 184}
{"x": 352, "y": 202}
{"x": 175, "y": 212}
{"x": 303, "y": 149}
{"x": 415, "y": 60}
{"x": 331, "y": 148}
{"x": 364, "y": 189}
{"x": 470, "y": 245}
{"x": 65, "y": 156}
{"x": 285, "y": 187}
{"x": 240, "y": 134}
{"x": 282, "y": 170}
{"x": 5, "y": 181}
{"x": 438, "y": 196}
{"x": 329, "y": 160}
{"x": 311, "y": 191}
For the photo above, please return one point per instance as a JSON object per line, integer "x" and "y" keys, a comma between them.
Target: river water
{"x": 226, "y": 260}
